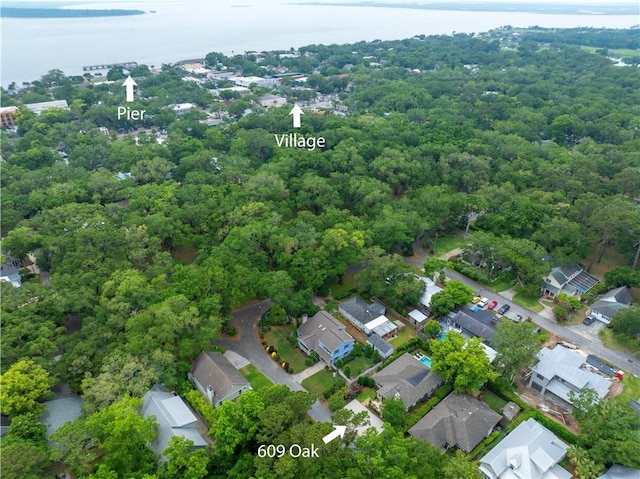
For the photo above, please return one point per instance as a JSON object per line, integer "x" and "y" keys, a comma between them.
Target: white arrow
{"x": 296, "y": 111}
{"x": 337, "y": 432}
{"x": 129, "y": 83}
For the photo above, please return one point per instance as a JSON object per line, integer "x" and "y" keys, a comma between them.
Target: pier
{"x": 107, "y": 66}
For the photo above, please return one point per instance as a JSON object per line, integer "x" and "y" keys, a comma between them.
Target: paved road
{"x": 616, "y": 358}
{"x": 248, "y": 346}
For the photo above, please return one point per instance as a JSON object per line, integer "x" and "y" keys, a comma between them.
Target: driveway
{"x": 590, "y": 332}
{"x": 248, "y": 346}
{"x": 617, "y": 358}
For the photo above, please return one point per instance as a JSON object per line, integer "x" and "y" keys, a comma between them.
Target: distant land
{"x": 541, "y": 8}
{"x": 63, "y": 13}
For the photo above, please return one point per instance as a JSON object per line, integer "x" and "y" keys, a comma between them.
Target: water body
{"x": 189, "y": 29}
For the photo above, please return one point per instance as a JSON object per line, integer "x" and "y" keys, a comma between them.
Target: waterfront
{"x": 190, "y": 29}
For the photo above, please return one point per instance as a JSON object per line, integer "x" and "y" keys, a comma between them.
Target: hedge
{"x": 418, "y": 413}
{"x": 197, "y": 402}
{"x": 487, "y": 443}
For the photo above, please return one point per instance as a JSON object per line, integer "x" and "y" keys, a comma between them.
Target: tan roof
{"x": 322, "y": 327}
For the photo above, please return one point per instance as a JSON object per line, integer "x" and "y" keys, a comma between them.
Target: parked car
{"x": 504, "y": 308}
{"x": 492, "y": 305}
{"x": 588, "y": 320}
{"x": 483, "y": 302}
{"x": 517, "y": 318}
{"x": 475, "y": 308}
{"x": 476, "y": 299}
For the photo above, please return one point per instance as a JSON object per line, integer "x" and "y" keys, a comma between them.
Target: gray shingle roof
{"x": 380, "y": 344}
{"x": 620, "y": 472}
{"x": 458, "y": 420}
{"x": 61, "y": 411}
{"x": 473, "y": 326}
{"x": 322, "y": 327}
{"x": 618, "y": 295}
{"x": 213, "y": 369}
{"x": 408, "y": 379}
{"x": 529, "y": 451}
{"x": 361, "y": 310}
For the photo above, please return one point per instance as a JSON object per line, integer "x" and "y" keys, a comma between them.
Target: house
{"x": 408, "y": 379}
{"x": 217, "y": 379}
{"x": 254, "y": 80}
{"x": 326, "y": 336}
{"x": 571, "y": 280}
{"x": 529, "y": 451}
{"x": 560, "y": 370}
{"x": 9, "y": 274}
{"x": 610, "y": 303}
{"x": 5, "y": 424}
{"x": 38, "y": 108}
{"x": 173, "y": 416}
{"x": 417, "y": 318}
{"x": 181, "y": 108}
{"x": 368, "y": 317}
{"x": 8, "y": 116}
{"x": 470, "y": 326}
{"x": 383, "y": 347}
{"x": 430, "y": 290}
{"x": 458, "y": 420}
{"x": 272, "y": 101}
{"x": 62, "y": 409}
{"x": 620, "y": 472}
{"x": 374, "y": 421}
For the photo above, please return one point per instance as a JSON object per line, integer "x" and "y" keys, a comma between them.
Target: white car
{"x": 483, "y": 302}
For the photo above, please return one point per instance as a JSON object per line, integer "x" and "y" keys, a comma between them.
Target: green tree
{"x": 461, "y": 466}
{"x": 182, "y": 461}
{"x": 393, "y": 412}
{"x": 627, "y": 322}
{"x": 22, "y": 388}
{"x": 461, "y": 363}
{"x": 432, "y": 329}
{"x": 517, "y": 346}
{"x": 23, "y": 459}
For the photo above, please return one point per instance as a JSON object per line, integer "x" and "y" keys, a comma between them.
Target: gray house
{"x": 570, "y": 279}
{"x": 383, "y": 347}
{"x": 610, "y": 303}
{"x": 174, "y": 418}
{"x": 529, "y": 451}
{"x": 326, "y": 336}
{"x": 459, "y": 420}
{"x": 368, "y": 317}
{"x": 9, "y": 274}
{"x": 408, "y": 379}
{"x": 217, "y": 379}
{"x": 560, "y": 370}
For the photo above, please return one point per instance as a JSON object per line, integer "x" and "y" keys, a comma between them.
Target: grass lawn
{"x": 340, "y": 290}
{"x": 620, "y": 52}
{"x": 291, "y": 354}
{"x": 631, "y": 388}
{"x": 404, "y": 335}
{"x": 576, "y": 317}
{"x": 447, "y": 243}
{"x": 616, "y": 341}
{"x": 320, "y": 382}
{"x": 527, "y": 302}
{"x": 494, "y": 401}
{"x": 255, "y": 377}
{"x": 367, "y": 393}
{"x": 358, "y": 365}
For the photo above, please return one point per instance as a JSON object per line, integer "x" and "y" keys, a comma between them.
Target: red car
{"x": 492, "y": 305}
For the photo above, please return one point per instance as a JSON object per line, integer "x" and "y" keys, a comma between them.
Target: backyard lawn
{"x": 340, "y": 291}
{"x": 255, "y": 377}
{"x": 631, "y": 388}
{"x": 321, "y": 381}
{"x": 494, "y": 401}
{"x": 404, "y": 335}
{"x": 367, "y": 393}
{"x": 358, "y": 365}
{"x": 289, "y": 353}
{"x": 527, "y": 302}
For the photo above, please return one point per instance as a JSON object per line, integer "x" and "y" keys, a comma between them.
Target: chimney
{"x": 304, "y": 318}
{"x": 210, "y": 393}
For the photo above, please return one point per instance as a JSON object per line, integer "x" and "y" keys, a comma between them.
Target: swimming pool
{"x": 441, "y": 335}
{"x": 426, "y": 360}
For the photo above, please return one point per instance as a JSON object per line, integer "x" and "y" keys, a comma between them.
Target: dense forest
{"x": 533, "y": 138}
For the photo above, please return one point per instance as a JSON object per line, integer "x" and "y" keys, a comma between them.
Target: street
{"x": 248, "y": 346}
{"x": 616, "y": 358}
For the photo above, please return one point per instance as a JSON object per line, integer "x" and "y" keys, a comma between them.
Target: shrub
{"x": 336, "y": 401}
{"x": 347, "y": 371}
{"x": 309, "y": 361}
{"x": 231, "y": 331}
{"x": 366, "y": 381}
{"x": 290, "y": 370}
{"x": 338, "y": 363}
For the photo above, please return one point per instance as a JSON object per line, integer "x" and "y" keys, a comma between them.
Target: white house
{"x": 610, "y": 303}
